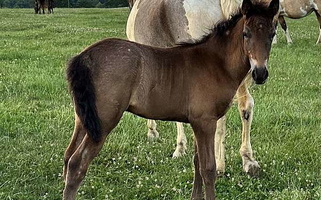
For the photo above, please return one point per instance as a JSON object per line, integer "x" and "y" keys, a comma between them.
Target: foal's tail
{"x": 81, "y": 86}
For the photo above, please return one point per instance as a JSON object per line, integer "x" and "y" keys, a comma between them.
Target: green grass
{"x": 36, "y": 119}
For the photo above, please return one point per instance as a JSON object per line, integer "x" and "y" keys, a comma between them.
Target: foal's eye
{"x": 246, "y": 35}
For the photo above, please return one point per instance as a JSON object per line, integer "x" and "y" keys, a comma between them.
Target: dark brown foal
{"x": 190, "y": 83}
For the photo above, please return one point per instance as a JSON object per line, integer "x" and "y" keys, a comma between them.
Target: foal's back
{"x": 132, "y": 71}
{"x": 141, "y": 78}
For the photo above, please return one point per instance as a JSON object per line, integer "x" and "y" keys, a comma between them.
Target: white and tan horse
{"x": 297, "y": 9}
{"x": 167, "y": 23}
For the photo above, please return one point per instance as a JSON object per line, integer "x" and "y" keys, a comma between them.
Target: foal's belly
{"x": 158, "y": 108}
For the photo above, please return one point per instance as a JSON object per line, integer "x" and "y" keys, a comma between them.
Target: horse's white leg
{"x": 288, "y": 37}
{"x": 275, "y": 39}
{"x": 319, "y": 20}
{"x": 220, "y": 145}
{"x": 285, "y": 28}
{"x": 319, "y": 39}
{"x": 181, "y": 141}
{"x": 152, "y": 132}
{"x": 245, "y": 106}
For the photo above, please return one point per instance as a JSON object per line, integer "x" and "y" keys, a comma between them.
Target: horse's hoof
{"x": 179, "y": 153}
{"x": 220, "y": 168}
{"x": 252, "y": 168}
{"x": 152, "y": 134}
{"x": 220, "y": 174}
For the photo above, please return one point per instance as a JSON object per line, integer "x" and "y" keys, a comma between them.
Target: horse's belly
{"x": 296, "y": 9}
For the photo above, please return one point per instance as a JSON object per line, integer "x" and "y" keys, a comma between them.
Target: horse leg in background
{"x": 285, "y": 28}
{"x": 152, "y": 132}
{"x": 319, "y": 20}
{"x": 204, "y": 131}
{"x": 181, "y": 141}
{"x": 198, "y": 182}
{"x": 245, "y": 106}
{"x": 77, "y": 138}
{"x": 181, "y": 138}
{"x": 220, "y": 145}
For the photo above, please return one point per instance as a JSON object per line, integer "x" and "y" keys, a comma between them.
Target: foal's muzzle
{"x": 260, "y": 75}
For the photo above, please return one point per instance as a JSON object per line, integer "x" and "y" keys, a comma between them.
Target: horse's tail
{"x": 81, "y": 86}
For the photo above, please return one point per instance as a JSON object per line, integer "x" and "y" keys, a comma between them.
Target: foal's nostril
{"x": 260, "y": 74}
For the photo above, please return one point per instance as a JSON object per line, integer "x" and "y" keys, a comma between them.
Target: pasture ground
{"x": 36, "y": 119}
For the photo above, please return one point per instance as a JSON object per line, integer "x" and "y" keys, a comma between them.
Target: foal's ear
{"x": 274, "y": 7}
{"x": 246, "y": 7}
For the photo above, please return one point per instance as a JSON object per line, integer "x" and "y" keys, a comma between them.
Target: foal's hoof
{"x": 252, "y": 168}
{"x": 152, "y": 134}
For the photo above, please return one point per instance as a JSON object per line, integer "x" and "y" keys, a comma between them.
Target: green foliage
{"x": 36, "y": 119}
{"x": 87, "y": 3}
{"x": 66, "y": 3}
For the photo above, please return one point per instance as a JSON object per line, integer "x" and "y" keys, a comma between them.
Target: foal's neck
{"x": 230, "y": 46}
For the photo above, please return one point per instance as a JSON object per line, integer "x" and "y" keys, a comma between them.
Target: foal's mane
{"x": 223, "y": 26}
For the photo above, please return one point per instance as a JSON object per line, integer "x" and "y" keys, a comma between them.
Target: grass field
{"x": 36, "y": 119}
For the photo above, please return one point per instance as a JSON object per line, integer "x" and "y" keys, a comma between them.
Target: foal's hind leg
{"x": 317, "y": 13}
{"x": 87, "y": 150}
{"x": 245, "y": 105}
{"x": 77, "y": 137}
{"x": 78, "y": 165}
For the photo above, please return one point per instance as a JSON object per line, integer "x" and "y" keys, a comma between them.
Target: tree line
{"x": 66, "y": 3}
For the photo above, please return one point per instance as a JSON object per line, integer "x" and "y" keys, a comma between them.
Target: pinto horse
{"x": 297, "y": 9}
{"x": 167, "y": 23}
{"x": 191, "y": 83}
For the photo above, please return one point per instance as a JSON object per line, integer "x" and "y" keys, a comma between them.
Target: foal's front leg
{"x": 245, "y": 105}
{"x": 204, "y": 131}
{"x": 198, "y": 182}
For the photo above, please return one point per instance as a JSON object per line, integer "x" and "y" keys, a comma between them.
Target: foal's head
{"x": 258, "y": 32}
